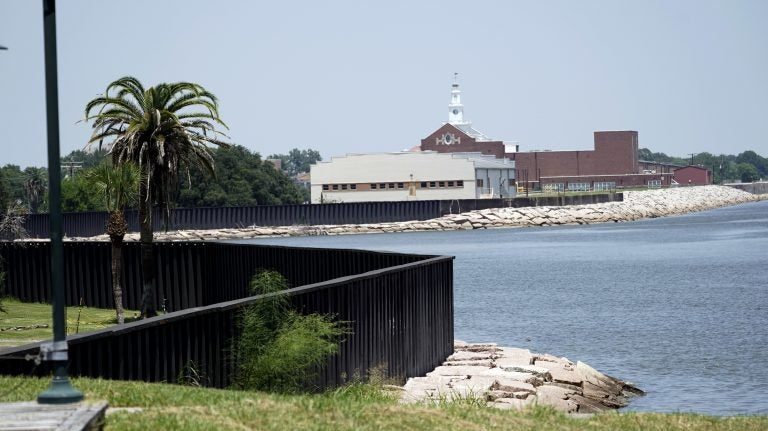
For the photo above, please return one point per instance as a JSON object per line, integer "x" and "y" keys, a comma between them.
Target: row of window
{"x": 604, "y": 185}
{"x": 335, "y": 187}
{"x": 394, "y": 186}
{"x": 597, "y": 185}
{"x": 442, "y": 184}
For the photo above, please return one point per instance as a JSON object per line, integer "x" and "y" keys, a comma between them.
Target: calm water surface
{"x": 677, "y": 305}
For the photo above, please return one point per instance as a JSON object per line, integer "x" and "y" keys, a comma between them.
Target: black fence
{"x": 186, "y": 270}
{"x": 400, "y": 308}
{"x": 92, "y": 223}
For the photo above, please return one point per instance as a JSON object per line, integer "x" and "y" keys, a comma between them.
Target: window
{"x": 553, "y": 187}
{"x": 578, "y": 187}
{"x": 450, "y": 183}
{"x": 460, "y": 183}
{"x": 325, "y": 187}
{"x": 353, "y": 186}
{"x": 479, "y": 182}
{"x": 343, "y": 186}
{"x": 654, "y": 184}
{"x": 391, "y": 185}
{"x": 510, "y": 182}
{"x": 335, "y": 186}
{"x": 400, "y": 185}
{"x": 441, "y": 184}
{"x": 423, "y": 185}
{"x": 432, "y": 184}
{"x": 382, "y": 186}
{"x": 604, "y": 185}
{"x": 373, "y": 186}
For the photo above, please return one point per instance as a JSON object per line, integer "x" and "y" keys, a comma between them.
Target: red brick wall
{"x": 468, "y": 144}
{"x": 692, "y": 175}
{"x": 615, "y": 153}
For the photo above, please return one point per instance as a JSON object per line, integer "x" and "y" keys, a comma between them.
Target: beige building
{"x": 403, "y": 176}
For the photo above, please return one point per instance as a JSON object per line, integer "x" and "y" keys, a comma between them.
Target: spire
{"x": 456, "y": 108}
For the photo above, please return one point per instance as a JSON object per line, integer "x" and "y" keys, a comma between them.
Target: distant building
{"x": 277, "y": 163}
{"x": 457, "y": 135}
{"x": 693, "y": 176}
{"x": 612, "y": 163}
{"x": 302, "y": 179}
{"x": 402, "y": 176}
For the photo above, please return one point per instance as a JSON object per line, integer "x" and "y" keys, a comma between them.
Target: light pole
{"x": 60, "y": 391}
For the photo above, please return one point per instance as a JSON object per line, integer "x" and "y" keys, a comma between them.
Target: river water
{"x": 676, "y": 305}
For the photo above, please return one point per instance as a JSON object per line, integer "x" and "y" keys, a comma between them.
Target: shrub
{"x": 279, "y": 349}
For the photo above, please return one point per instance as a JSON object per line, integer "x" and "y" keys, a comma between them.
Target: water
{"x": 677, "y": 305}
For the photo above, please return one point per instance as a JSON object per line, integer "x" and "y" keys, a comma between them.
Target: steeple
{"x": 456, "y": 108}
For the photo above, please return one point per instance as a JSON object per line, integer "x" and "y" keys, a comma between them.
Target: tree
{"x": 77, "y": 194}
{"x": 760, "y": 163}
{"x": 747, "y": 172}
{"x": 165, "y": 130}
{"x": 34, "y": 189}
{"x": 297, "y": 161}
{"x": 243, "y": 179}
{"x": 14, "y": 178}
{"x": 5, "y": 190}
{"x": 118, "y": 186}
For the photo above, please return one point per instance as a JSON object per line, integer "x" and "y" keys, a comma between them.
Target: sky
{"x": 361, "y": 76}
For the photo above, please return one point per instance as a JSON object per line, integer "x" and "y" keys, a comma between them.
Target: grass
{"x": 35, "y": 319}
{"x": 356, "y": 407}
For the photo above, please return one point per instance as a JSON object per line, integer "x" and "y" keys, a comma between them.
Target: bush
{"x": 279, "y": 349}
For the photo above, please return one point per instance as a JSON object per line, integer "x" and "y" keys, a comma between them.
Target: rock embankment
{"x": 512, "y": 378}
{"x": 636, "y": 205}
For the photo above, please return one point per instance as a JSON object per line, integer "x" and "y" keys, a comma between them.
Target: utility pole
{"x": 60, "y": 391}
{"x": 71, "y": 167}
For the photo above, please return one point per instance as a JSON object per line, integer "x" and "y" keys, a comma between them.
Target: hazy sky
{"x": 359, "y": 76}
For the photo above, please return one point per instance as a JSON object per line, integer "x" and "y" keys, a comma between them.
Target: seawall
{"x": 636, "y": 205}
{"x": 760, "y": 188}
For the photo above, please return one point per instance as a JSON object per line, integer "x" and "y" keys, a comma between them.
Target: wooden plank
{"x": 64, "y": 417}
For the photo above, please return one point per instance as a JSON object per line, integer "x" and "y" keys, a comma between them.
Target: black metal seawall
{"x": 86, "y": 224}
{"x": 400, "y": 308}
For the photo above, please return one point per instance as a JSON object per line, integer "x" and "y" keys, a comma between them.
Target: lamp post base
{"x": 60, "y": 392}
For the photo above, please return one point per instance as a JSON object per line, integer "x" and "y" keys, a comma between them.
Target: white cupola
{"x": 456, "y": 108}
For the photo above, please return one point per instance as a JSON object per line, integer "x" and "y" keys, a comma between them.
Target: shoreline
{"x": 637, "y": 205}
{"x": 514, "y": 378}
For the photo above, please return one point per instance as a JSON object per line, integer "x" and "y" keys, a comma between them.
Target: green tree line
{"x": 747, "y": 166}
{"x": 242, "y": 178}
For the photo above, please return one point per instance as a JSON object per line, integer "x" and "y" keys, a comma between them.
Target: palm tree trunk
{"x": 117, "y": 287}
{"x": 148, "y": 264}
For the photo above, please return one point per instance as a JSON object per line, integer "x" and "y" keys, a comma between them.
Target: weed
{"x": 279, "y": 349}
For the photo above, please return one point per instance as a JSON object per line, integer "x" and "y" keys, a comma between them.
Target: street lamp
{"x": 60, "y": 391}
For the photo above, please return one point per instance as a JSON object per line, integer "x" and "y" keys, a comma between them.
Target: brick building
{"x": 612, "y": 163}
{"x": 693, "y": 176}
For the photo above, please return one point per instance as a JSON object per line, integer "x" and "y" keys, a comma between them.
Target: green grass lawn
{"x": 357, "y": 407}
{"x": 33, "y": 321}
{"x": 142, "y": 406}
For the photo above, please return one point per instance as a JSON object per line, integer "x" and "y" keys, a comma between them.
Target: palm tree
{"x": 164, "y": 130}
{"x": 118, "y": 185}
{"x": 34, "y": 189}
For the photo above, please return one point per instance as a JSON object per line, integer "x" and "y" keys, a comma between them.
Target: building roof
{"x": 481, "y": 161}
{"x": 471, "y": 131}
